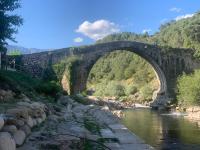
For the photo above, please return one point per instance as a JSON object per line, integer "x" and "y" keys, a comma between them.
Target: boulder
{"x": 53, "y": 118}
{"x": 6, "y": 141}
{"x": 80, "y": 108}
{"x": 36, "y": 113}
{"x": 21, "y": 112}
{"x": 39, "y": 121}
{"x": 38, "y": 105}
{"x": 65, "y": 100}
{"x": 30, "y": 122}
{"x": 9, "y": 128}
{"x": 6, "y": 96}
{"x": 26, "y": 104}
{"x": 19, "y": 137}
{"x": 1, "y": 122}
{"x": 34, "y": 122}
{"x": 62, "y": 100}
{"x": 118, "y": 113}
{"x": 44, "y": 116}
{"x": 26, "y": 129}
{"x": 17, "y": 122}
{"x": 106, "y": 108}
{"x": 196, "y": 109}
{"x": 69, "y": 108}
{"x": 25, "y": 98}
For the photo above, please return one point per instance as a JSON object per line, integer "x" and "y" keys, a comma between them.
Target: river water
{"x": 163, "y": 131}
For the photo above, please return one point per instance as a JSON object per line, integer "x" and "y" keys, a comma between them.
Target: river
{"x": 163, "y": 131}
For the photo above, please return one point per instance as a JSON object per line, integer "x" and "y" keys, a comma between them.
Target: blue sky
{"x": 50, "y": 24}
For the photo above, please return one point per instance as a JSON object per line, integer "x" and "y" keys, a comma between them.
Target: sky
{"x": 52, "y": 24}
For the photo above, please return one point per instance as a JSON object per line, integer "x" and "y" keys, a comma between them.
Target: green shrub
{"x": 18, "y": 82}
{"x": 189, "y": 88}
{"x": 146, "y": 92}
{"x": 129, "y": 72}
{"x": 48, "y": 88}
{"x": 67, "y": 66}
{"x": 131, "y": 89}
{"x": 114, "y": 89}
{"x": 14, "y": 53}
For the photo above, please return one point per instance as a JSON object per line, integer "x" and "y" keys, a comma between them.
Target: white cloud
{"x": 146, "y": 31}
{"x": 175, "y": 9}
{"x": 98, "y": 29}
{"x": 184, "y": 16}
{"x": 78, "y": 40}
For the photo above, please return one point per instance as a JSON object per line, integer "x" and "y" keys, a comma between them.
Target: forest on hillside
{"x": 184, "y": 33}
{"x": 123, "y": 74}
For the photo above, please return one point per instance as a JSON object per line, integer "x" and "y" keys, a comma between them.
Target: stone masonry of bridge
{"x": 168, "y": 63}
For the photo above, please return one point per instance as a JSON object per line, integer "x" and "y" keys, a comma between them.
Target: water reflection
{"x": 162, "y": 131}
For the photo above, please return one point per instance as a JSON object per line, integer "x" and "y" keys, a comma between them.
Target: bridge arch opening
{"x": 89, "y": 65}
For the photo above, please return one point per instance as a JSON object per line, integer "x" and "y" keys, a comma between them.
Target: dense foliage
{"x": 14, "y": 53}
{"x": 66, "y": 68}
{"x": 24, "y": 83}
{"x": 127, "y": 36}
{"x": 184, "y": 33}
{"x": 189, "y": 89}
{"x": 122, "y": 73}
{"x": 8, "y": 21}
{"x": 64, "y": 65}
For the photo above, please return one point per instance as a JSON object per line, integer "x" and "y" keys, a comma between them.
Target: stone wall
{"x": 167, "y": 63}
{"x": 16, "y": 123}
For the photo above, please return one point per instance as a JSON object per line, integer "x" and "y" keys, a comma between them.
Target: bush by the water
{"x": 189, "y": 89}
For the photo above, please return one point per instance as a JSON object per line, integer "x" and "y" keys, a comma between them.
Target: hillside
{"x": 184, "y": 33}
{"x": 123, "y": 74}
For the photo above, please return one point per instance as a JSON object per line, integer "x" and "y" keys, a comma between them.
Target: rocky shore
{"x": 114, "y": 106}
{"x": 193, "y": 114}
{"x": 64, "y": 125}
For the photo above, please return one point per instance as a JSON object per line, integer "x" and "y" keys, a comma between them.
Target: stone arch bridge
{"x": 168, "y": 63}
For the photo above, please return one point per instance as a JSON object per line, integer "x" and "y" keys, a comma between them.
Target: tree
{"x": 188, "y": 89}
{"x": 8, "y": 23}
{"x": 14, "y": 52}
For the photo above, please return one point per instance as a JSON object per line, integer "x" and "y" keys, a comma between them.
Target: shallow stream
{"x": 163, "y": 131}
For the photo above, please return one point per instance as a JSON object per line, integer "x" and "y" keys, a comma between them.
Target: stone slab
{"x": 113, "y": 146}
{"x": 136, "y": 147}
{"x": 126, "y": 137}
{"x": 107, "y": 133}
{"x": 117, "y": 127}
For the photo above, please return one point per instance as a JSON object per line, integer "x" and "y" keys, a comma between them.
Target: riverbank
{"x": 193, "y": 114}
{"x": 70, "y": 125}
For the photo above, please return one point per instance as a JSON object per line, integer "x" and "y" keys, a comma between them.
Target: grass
{"x": 18, "y": 81}
{"x": 89, "y": 145}
{"x": 91, "y": 126}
